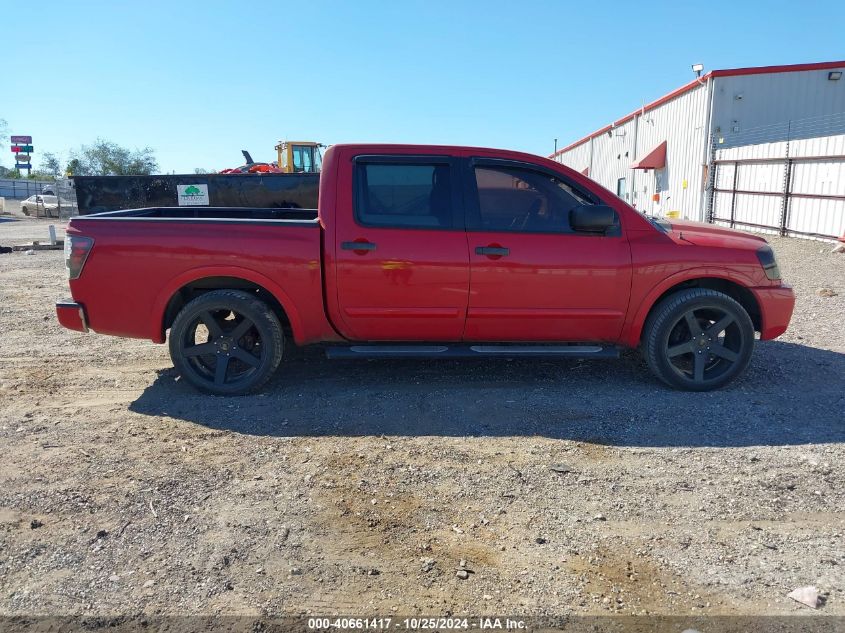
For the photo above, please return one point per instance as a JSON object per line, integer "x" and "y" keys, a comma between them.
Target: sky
{"x": 199, "y": 81}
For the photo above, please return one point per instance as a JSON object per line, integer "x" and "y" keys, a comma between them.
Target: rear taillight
{"x": 77, "y": 248}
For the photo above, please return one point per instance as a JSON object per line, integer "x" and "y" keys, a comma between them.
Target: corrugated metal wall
{"x": 578, "y": 158}
{"x": 613, "y": 153}
{"x": 681, "y": 123}
{"x": 755, "y": 109}
{"x": 753, "y": 116}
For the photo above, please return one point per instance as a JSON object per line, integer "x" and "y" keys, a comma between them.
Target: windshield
{"x": 306, "y": 158}
{"x": 660, "y": 223}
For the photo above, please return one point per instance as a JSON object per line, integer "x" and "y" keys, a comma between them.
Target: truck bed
{"x": 232, "y": 214}
{"x": 143, "y": 259}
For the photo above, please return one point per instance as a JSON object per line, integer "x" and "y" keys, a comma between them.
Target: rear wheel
{"x": 698, "y": 340}
{"x": 226, "y": 342}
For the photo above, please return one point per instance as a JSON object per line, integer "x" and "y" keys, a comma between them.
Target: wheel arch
{"x": 186, "y": 287}
{"x": 734, "y": 289}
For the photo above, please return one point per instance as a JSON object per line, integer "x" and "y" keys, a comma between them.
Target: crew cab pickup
{"x": 427, "y": 251}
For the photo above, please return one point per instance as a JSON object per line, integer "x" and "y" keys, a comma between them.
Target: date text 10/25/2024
{"x": 418, "y": 623}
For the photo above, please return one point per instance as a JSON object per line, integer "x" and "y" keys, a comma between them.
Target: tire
{"x": 25, "y": 210}
{"x": 226, "y": 342}
{"x": 698, "y": 340}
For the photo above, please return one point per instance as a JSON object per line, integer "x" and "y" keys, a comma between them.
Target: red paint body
{"x": 419, "y": 284}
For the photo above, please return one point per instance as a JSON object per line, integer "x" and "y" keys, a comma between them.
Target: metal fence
{"x": 63, "y": 189}
{"x": 20, "y": 188}
{"x": 794, "y": 185}
{"x": 66, "y": 191}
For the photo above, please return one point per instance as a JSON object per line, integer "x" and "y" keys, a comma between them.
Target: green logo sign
{"x": 192, "y": 195}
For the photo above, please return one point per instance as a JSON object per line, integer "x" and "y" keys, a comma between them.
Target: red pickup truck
{"x": 427, "y": 251}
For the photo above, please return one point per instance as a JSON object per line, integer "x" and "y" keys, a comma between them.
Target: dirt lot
{"x": 360, "y": 488}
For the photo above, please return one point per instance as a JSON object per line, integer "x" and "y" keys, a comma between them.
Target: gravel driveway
{"x": 373, "y": 487}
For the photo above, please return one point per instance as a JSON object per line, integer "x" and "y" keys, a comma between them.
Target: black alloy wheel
{"x": 226, "y": 342}
{"x": 698, "y": 340}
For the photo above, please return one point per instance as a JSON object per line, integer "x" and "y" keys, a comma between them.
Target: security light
{"x": 697, "y": 68}
{"x": 834, "y": 75}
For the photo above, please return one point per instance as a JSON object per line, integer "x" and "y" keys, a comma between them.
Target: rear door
{"x": 402, "y": 264}
{"x": 533, "y": 277}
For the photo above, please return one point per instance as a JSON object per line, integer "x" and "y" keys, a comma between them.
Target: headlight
{"x": 767, "y": 260}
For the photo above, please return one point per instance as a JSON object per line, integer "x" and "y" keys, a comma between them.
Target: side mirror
{"x": 592, "y": 218}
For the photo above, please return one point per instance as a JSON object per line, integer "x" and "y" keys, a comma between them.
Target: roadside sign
{"x": 22, "y": 148}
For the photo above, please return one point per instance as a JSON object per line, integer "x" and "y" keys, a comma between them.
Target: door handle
{"x": 358, "y": 246}
{"x": 499, "y": 251}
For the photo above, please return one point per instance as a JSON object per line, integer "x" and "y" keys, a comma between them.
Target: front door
{"x": 401, "y": 253}
{"x": 533, "y": 277}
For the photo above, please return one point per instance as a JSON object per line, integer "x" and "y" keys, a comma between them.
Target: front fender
{"x": 637, "y": 315}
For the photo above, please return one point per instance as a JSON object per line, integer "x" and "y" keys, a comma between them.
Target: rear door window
{"x": 404, "y": 195}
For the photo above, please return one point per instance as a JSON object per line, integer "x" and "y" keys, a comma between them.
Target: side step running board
{"x": 472, "y": 351}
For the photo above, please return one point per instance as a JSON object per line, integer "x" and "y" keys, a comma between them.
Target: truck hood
{"x": 702, "y": 234}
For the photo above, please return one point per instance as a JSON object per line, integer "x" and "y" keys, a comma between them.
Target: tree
{"x": 74, "y": 167}
{"x": 203, "y": 170}
{"x": 50, "y": 165}
{"x": 105, "y": 158}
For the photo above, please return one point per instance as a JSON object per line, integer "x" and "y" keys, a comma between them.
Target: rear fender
{"x": 174, "y": 285}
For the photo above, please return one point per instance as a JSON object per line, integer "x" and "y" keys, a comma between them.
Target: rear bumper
{"x": 776, "y": 305}
{"x": 72, "y": 316}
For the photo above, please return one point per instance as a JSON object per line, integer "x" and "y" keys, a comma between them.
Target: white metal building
{"x": 757, "y": 148}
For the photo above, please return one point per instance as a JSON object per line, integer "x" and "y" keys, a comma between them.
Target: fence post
{"x": 710, "y": 184}
{"x": 733, "y": 192}
{"x": 787, "y": 189}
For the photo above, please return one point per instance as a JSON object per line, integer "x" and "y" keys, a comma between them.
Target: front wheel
{"x": 698, "y": 340}
{"x": 226, "y": 342}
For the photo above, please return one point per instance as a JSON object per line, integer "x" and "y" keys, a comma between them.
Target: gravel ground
{"x": 565, "y": 487}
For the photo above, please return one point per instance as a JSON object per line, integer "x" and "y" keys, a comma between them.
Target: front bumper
{"x": 72, "y": 315}
{"x": 776, "y": 306}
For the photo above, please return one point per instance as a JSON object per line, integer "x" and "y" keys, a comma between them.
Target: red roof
{"x": 728, "y": 72}
{"x": 655, "y": 159}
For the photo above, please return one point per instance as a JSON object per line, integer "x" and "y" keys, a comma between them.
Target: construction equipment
{"x": 295, "y": 157}
{"x": 299, "y": 157}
